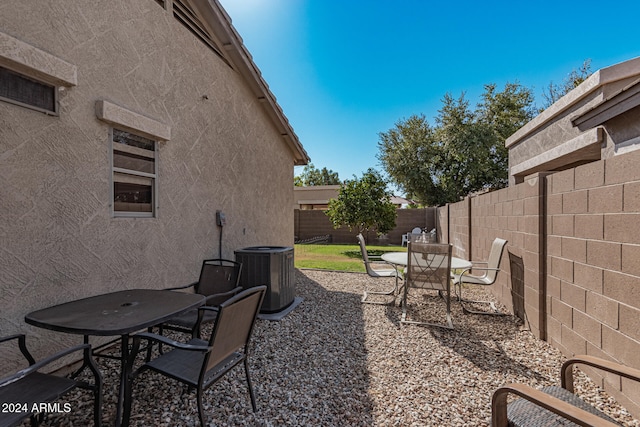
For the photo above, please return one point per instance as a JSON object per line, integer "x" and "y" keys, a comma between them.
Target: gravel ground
{"x": 336, "y": 362}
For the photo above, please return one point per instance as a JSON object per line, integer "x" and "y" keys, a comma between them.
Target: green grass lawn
{"x": 337, "y": 257}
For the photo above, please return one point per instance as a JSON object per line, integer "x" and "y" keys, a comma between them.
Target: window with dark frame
{"x": 27, "y": 92}
{"x": 134, "y": 174}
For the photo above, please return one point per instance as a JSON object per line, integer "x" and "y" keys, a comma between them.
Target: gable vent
{"x": 188, "y": 18}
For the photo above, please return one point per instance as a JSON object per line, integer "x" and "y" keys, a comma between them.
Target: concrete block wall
{"x": 571, "y": 269}
{"x": 313, "y": 223}
{"x": 593, "y": 288}
{"x": 459, "y": 228}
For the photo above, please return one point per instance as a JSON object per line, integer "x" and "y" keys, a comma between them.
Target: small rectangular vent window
{"x": 22, "y": 90}
{"x": 189, "y": 19}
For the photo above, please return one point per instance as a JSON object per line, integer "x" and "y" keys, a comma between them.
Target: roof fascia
{"x": 618, "y": 103}
{"x": 218, "y": 22}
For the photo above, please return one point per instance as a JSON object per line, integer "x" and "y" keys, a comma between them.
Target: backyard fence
{"x": 571, "y": 270}
{"x": 309, "y": 224}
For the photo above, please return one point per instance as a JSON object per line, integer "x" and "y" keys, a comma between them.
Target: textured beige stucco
{"x": 59, "y": 241}
{"x": 24, "y": 58}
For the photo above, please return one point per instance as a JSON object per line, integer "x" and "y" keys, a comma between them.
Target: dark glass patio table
{"x": 116, "y": 313}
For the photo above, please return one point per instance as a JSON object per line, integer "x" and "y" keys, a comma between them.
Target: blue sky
{"x": 345, "y": 70}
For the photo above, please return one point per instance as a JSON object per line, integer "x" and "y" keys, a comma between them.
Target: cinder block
{"x": 562, "y": 269}
{"x": 621, "y": 169}
{"x": 631, "y": 199}
{"x": 631, "y": 259}
{"x": 554, "y": 245}
{"x": 587, "y": 327}
{"x": 589, "y": 226}
{"x": 554, "y": 329}
{"x": 575, "y": 202}
{"x": 532, "y": 224}
{"x": 629, "y": 388}
{"x": 603, "y": 309}
{"x": 562, "y": 225}
{"x": 531, "y": 242}
{"x": 507, "y": 208}
{"x": 606, "y": 199}
{"x": 573, "y": 295}
{"x": 622, "y": 227}
{"x": 630, "y": 321}
{"x": 532, "y": 206}
{"x": 604, "y": 254}
{"x": 622, "y": 287}
{"x": 590, "y": 175}
{"x": 553, "y": 287}
{"x": 588, "y": 277}
{"x": 532, "y": 295}
{"x": 574, "y": 249}
{"x": 572, "y": 341}
{"x": 516, "y": 240}
{"x": 554, "y": 204}
{"x": 562, "y": 182}
{"x": 620, "y": 346}
{"x": 562, "y": 312}
{"x": 518, "y": 207}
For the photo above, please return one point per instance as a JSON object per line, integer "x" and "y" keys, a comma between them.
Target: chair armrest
{"x": 542, "y": 399}
{"x": 39, "y": 365}
{"x": 229, "y": 294}
{"x": 12, "y": 337}
{"x": 566, "y": 373}
{"x": 466, "y": 270}
{"x": 191, "y": 285}
{"x": 22, "y": 344}
{"x": 164, "y": 340}
{"x": 201, "y": 311}
{"x": 483, "y": 268}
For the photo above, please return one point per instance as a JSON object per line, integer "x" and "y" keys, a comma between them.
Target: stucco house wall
{"x": 221, "y": 146}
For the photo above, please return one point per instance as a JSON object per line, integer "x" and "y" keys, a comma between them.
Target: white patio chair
{"x": 389, "y": 271}
{"x": 488, "y": 278}
{"x": 407, "y": 236}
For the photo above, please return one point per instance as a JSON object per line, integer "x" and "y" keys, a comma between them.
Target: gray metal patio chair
{"x": 429, "y": 267}
{"x": 555, "y": 405}
{"x": 488, "y": 278}
{"x": 390, "y": 271}
{"x": 29, "y": 387}
{"x": 200, "y": 363}
{"x": 219, "y": 280}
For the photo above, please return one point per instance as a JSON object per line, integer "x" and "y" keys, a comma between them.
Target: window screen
{"x": 134, "y": 174}
{"x": 23, "y": 90}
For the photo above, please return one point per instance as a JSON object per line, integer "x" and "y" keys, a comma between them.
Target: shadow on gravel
{"x": 304, "y": 370}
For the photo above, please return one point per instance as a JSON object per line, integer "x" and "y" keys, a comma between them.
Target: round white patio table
{"x": 402, "y": 258}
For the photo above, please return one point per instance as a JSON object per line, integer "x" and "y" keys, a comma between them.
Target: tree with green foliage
{"x": 463, "y": 153}
{"x": 363, "y": 204}
{"x": 554, "y": 92}
{"x": 311, "y": 176}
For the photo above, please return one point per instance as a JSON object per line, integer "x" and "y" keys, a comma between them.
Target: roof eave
{"x": 219, "y": 23}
